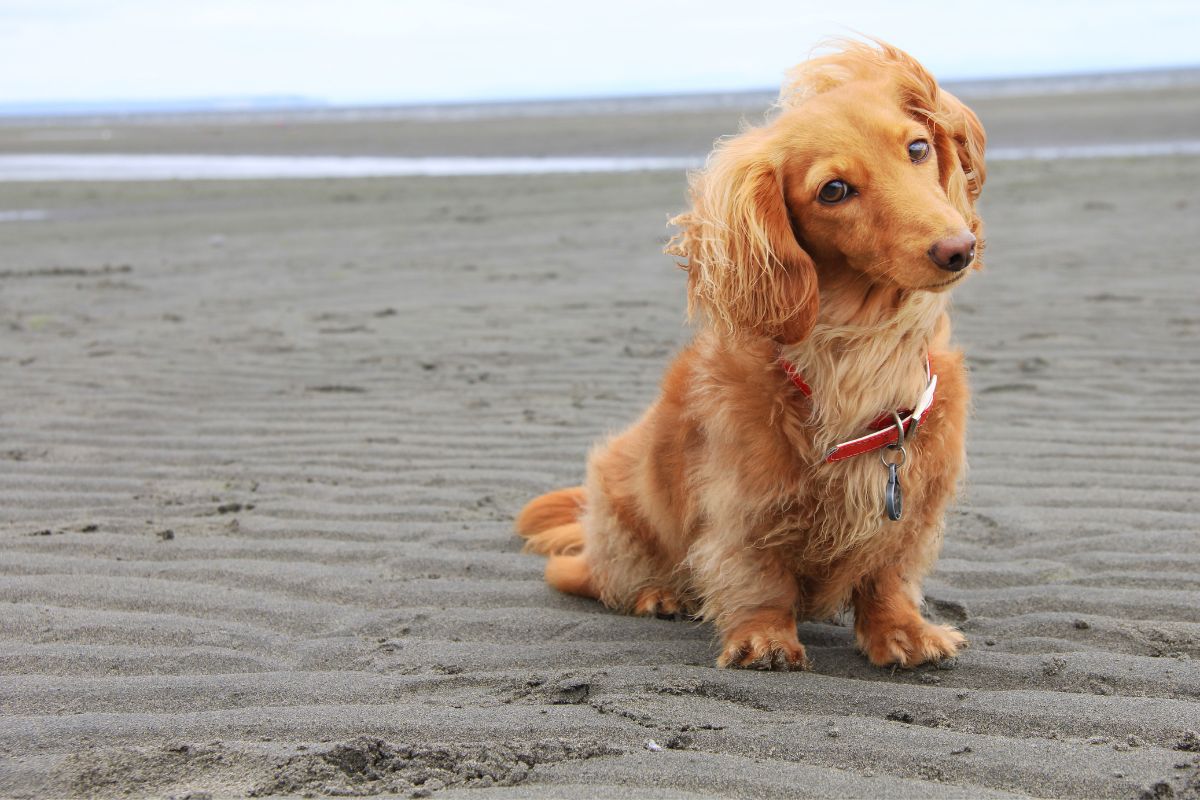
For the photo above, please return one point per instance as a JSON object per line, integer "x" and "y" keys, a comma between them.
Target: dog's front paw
{"x": 909, "y": 645}
{"x": 768, "y": 647}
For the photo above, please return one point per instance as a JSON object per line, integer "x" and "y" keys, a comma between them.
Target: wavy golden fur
{"x": 717, "y": 501}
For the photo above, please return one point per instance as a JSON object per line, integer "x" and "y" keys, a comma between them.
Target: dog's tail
{"x": 550, "y": 525}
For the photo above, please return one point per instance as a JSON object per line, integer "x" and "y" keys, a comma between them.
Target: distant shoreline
{"x": 273, "y": 109}
{"x": 59, "y": 167}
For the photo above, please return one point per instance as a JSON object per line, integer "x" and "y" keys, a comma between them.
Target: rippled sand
{"x": 261, "y": 443}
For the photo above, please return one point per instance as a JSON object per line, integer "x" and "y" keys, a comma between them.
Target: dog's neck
{"x": 849, "y": 298}
{"x": 866, "y": 354}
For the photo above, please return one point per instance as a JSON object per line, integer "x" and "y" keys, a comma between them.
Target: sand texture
{"x": 261, "y": 444}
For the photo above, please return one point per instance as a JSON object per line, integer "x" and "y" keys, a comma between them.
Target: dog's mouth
{"x": 958, "y": 277}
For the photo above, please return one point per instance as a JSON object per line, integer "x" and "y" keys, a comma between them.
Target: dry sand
{"x": 261, "y": 443}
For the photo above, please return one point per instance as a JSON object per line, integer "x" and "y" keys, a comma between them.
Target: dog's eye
{"x": 918, "y": 151}
{"x": 834, "y": 192}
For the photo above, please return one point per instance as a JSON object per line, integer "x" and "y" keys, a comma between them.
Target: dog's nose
{"x": 954, "y": 253}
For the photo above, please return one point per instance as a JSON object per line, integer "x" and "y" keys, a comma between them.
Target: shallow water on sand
{"x": 136, "y": 167}
{"x": 139, "y": 167}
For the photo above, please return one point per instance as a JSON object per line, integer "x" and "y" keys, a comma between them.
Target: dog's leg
{"x": 889, "y": 626}
{"x": 570, "y": 574}
{"x": 752, "y": 598}
{"x": 653, "y": 600}
{"x": 763, "y": 638}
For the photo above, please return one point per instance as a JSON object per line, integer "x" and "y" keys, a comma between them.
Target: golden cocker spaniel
{"x": 805, "y": 445}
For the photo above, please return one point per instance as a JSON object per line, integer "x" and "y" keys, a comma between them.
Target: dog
{"x": 805, "y": 446}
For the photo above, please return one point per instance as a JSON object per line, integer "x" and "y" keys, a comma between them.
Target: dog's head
{"x": 868, "y": 169}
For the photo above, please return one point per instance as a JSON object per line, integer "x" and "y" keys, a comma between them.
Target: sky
{"x": 403, "y": 51}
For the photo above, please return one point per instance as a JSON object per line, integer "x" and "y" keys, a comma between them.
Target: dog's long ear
{"x": 746, "y": 271}
{"x": 957, "y": 133}
{"x": 960, "y": 142}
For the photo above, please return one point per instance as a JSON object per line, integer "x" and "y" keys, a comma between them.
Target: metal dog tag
{"x": 893, "y": 500}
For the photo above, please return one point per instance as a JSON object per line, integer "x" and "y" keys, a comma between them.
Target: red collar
{"x": 883, "y": 426}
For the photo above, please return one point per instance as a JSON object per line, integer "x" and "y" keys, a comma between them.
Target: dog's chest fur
{"x": 827, "y": 521}
{"x": 834, "y": 527}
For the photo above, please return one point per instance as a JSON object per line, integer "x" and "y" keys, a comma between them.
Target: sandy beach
{"x": 261, "y": 443}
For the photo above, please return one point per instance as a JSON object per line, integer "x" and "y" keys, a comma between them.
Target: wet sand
{"x": 261, "y": 444}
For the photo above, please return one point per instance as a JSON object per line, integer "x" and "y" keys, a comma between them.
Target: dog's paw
{"x": 652, "y": 602}
{"x": 766, "y": 649}
{"x": 910, "y": 645}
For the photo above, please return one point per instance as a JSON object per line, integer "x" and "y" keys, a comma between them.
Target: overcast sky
{"x": 365, "y": 51}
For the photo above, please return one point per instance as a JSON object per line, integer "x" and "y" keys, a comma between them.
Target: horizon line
{"x": 290, "y": 101}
